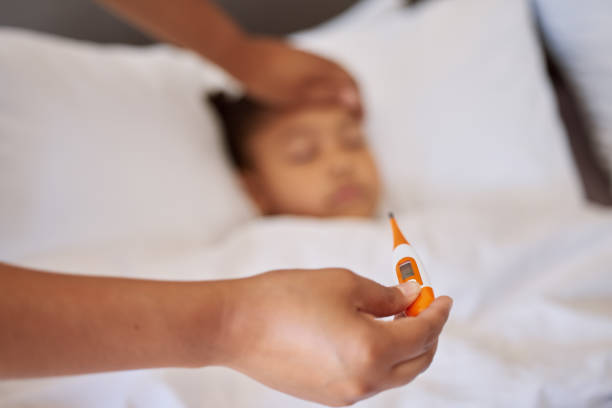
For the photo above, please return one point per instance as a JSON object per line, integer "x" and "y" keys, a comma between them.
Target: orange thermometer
{"x": 408, "y": 266}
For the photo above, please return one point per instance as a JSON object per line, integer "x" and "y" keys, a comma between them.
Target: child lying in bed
{"x": 311, "y": 161}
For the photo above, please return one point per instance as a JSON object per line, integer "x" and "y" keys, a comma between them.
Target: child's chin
{"x": 353, "y": 210}
{"x": 358, "y": 211}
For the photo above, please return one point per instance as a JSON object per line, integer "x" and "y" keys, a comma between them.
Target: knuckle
{"x": 428, "y": 360}
{"x": 429, "y": 332}
{"x": 430, "y": 338}
{"x": 368, "y": 357}
{"x": 337, "y": 401}
{"x": 356, "y": 390}
{"x": 347, "y": 279}
{"x": 364, "y": 353}
{"x": 345, "y": 402}
{"x": 345, "y": 273}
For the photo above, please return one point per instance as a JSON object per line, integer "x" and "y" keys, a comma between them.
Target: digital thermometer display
{"x": 406, "y": 270}
{"x": 408, "y": 267}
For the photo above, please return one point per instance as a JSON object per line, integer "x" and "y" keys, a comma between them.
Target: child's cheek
{"x": 306, "y": 190}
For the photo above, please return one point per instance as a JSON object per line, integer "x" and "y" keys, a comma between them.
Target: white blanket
{"x": 531, "y": 324}
{"x": 466, "y": 102}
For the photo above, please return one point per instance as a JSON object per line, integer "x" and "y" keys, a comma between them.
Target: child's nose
{"x": 340, "y": 164}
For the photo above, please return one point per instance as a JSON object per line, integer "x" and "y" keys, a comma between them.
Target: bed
{"x": 502, "y": 196}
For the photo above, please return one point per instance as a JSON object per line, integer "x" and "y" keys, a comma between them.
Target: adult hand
{"x": 314, "y": 334}
{"x": 272, "y": 71}
{"x": 309, "y": 333}
{"x": 279, "y": 75}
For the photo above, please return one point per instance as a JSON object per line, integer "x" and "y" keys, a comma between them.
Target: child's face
{"x": 312, "y": 161}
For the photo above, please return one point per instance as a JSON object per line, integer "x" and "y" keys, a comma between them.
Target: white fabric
{"x": 579, "y": 34}
{"x": 532, "y": 282}
{"x": 121, "y": 389}
{"x": 531, "y": 324}
{"x": 460, "y": 114}
{"x": 101, "y": 145}
{"x": 457, "y": 96}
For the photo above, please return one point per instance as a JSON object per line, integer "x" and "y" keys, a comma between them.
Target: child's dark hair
{"x": 239, "y": 116}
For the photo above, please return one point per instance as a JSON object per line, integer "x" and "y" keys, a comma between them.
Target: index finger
{"x": 413, "y": 336}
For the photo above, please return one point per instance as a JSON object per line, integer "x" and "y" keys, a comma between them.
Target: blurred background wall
{"x": 85, "y": 19}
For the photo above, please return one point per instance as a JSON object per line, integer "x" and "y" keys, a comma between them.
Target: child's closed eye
{"x": 352, "y": 139}
{"x": 301, "y": 149}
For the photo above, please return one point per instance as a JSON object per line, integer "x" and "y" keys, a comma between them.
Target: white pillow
{"x": 579, "y": 35}
{"x": 108, "y": 147}
{"x": 460, "y": 109}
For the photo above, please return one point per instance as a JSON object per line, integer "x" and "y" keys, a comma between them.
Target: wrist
{"x": 201, "y": 319}
{"x": 232, "y": 52}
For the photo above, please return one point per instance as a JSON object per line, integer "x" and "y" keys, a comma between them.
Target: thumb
{"x": 381, "y": 301}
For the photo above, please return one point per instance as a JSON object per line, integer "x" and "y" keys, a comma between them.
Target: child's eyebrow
{"x": 301, "y": 130}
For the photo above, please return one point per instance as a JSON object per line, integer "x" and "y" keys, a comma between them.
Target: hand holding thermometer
{"x": 408, "y": 266}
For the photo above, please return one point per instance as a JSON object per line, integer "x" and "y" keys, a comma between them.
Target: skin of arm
{"x": 270, "y": 70}
{"x": 310, "y": 333}
{"x": 57, "y": 324}
{"x": 195, "y": 24}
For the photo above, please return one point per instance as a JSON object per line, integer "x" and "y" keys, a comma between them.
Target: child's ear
{"x": 254, "y": 187}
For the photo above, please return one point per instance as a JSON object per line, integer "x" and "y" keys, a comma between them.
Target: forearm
{"x": 195, "y": 24}
{"x": 270, "y": 71}
{"x": 54, "y": 324}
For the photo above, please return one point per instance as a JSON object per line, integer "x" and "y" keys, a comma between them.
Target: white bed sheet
{"x": 531, "y": 324}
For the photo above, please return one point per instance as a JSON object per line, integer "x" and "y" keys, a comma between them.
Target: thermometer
{"x": 408, "y": 267}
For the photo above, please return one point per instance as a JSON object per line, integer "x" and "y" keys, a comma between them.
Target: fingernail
{"x": 410, "y": 288}
{"x": 349, "y": 97}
